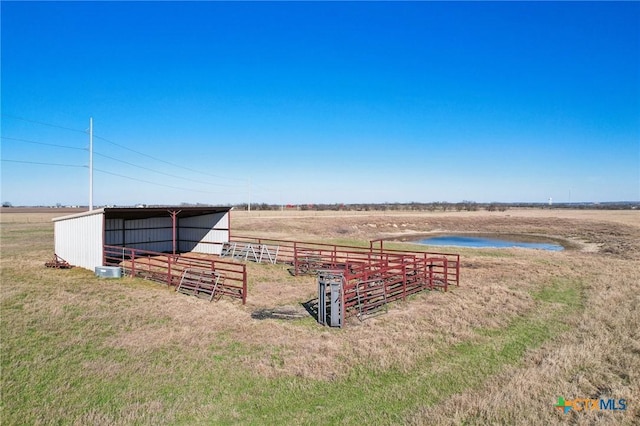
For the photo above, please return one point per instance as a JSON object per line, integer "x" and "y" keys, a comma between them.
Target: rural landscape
{"x": 523, "y": 329}
{"x": 320, "y": 213}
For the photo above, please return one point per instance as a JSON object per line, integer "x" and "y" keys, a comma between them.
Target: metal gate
{"x": 330, "y": 298}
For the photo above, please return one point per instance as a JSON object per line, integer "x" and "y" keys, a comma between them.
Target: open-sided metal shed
{"x": 80, "y": 238}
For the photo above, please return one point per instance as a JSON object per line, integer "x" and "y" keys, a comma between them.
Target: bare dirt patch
{"x": 281, "y": 312}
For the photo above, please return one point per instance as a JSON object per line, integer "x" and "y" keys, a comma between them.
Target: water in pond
{"x": 482, "y": 242}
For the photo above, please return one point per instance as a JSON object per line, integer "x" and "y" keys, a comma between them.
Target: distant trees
{"x": 492, "y": 207}
{"x": 465, "y": 205}
{"x": 470, "y": 206}
{"x": 7, "y": 204}
{"x": 412, "y": 206}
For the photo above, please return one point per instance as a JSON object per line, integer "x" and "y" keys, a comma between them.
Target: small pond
{"x": 484, "y": 242}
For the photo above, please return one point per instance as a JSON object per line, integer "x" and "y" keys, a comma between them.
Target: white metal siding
{"x": 150, "y": 235}
{"x": 152, "y": 222}
{"x": 211, "y": 221}
{"x": 79, "y": 238}
{"x": 195, "y": 233}
{"x": 194, "y": 240}
{"x": 154, "y": 234}
{"x": 207, "y": 248}
{"x": 79, "y": 241}
{"x": 161, "y": 246}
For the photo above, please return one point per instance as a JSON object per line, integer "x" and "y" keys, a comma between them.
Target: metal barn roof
{"x": 146, "y": 212}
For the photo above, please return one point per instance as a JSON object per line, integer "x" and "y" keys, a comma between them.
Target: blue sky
{"x": 218, "y": 103}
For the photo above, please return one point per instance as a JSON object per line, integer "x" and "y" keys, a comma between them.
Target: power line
{"x": 159, "y": 172}
{"x": 163, "y": 161}
{"x": 156, "y": 183}
{"x": 43, "y": 123}
{"x": 42, "y": 143}
{"x": 126, "y": 148}
{"x": 43, "y": 164}
{"x": 116, "y": 159}
{"x": 111, "y": 173}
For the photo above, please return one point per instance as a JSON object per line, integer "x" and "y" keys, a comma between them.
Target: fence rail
{"x": 369, "y": 277}
{"x": 308, "y": 258}
{"x": 169, "y": 268}
{"x": 373, "y": 276}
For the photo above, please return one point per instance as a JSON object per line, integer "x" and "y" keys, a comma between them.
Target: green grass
{"x": 388, "y": 395}
{"x": 59, "y": 364}
{"x": 50, "y": 363}
{"x": 564, "y": 291}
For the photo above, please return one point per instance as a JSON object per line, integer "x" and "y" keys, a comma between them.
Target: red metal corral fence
{"x": 371, "y": 276}
{"x": 356, "y": 281}
{"x": 308, "y": 258}
{"x": 169, "y": 268}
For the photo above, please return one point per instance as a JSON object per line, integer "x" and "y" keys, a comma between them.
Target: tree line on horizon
{"x": 443, "y": 206}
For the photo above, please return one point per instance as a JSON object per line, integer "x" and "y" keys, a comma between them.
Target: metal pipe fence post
{"x": 133, "y": 263}
{"x": 404, "y": 281}
{"x": 446, "y": 274}
{"x": 244, "y": 284}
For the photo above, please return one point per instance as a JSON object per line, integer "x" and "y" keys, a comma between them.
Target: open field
{"x": 524, "y": 328}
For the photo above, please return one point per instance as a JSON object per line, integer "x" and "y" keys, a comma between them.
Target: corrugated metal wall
{"x": 78, "y": 240}
{"x": 114, "y": 232}
{"x": 204, "y": 234}
{"x": 154, "y": 234}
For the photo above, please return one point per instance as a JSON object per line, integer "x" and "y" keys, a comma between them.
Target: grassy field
{"x": 524, "y": 328}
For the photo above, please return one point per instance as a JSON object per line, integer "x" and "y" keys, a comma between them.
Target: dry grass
{"x": 130, "y": 351}
{"x": 599, "y": 357}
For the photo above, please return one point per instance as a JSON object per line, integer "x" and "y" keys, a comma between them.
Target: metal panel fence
{"x": 308, "y": 258}
{"x": 369, "y": 278}
{"x": 168, "y": 268}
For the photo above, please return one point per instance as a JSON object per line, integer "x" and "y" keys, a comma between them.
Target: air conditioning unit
{"x": 108, "y": 271}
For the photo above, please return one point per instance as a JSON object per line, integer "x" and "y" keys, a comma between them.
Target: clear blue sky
{"x": 321, "y": 102}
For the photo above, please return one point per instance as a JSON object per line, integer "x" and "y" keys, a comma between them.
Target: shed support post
{"x": 174, "y": 215}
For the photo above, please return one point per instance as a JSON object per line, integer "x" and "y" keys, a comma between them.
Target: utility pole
{"x": 90, "y": 163}
{"x": 249, "y": 205}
